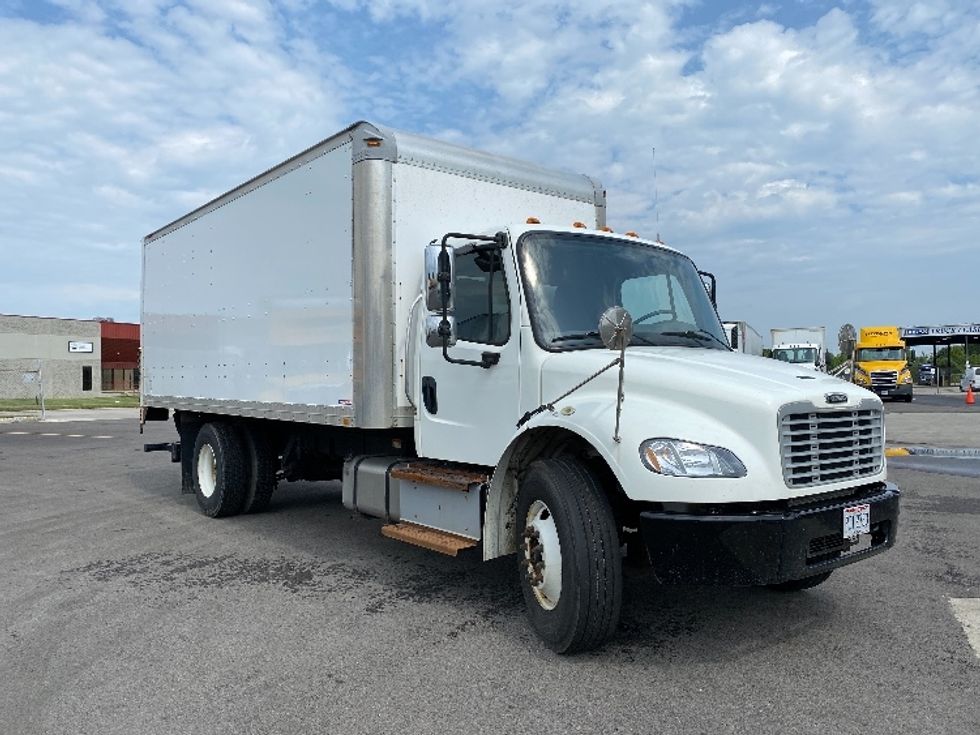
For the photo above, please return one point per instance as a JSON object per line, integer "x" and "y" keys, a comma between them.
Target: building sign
{"x": 949, "y": 330}
{"x": 81, "y": 347}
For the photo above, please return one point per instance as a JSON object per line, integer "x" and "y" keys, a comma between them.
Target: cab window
{"x": 482, "y": 304}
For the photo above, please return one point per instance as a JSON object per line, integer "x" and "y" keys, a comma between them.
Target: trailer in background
{"x": 743, "y": 338}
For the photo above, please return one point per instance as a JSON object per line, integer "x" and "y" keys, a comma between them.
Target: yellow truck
{"x": 881, "y": 364}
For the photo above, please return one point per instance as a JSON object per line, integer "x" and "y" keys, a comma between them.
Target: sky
{"x": 821, "y": 158}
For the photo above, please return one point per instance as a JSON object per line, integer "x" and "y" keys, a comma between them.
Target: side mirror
{"x": 440, "y": 277}
{"x": 711, "y": 286}
{"x": 433, "y": 331}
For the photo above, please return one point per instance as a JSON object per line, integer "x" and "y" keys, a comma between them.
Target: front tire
{"x": 570, "y": 564}
{"x": 219, "y": 470}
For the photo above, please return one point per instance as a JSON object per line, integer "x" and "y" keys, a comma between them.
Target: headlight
{"x": 678, "y": 458}
{"x": 906, "y": 377}
{"x": 860, "y": 376}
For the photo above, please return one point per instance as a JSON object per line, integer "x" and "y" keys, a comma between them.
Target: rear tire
{"x": 219, "y": 470}
{"x": 795, "y": 585}
{"x": 568, "y": 529}
{"x": 263, "y": 464}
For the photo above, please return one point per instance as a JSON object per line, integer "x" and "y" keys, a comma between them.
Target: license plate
{"x": 885, "y": 392}
{"x": 857, "y": 520}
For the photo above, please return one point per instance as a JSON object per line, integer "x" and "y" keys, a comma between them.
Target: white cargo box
{"x": 289, "y": 296}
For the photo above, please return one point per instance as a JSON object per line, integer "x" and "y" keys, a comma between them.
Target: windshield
{"x": 872, "y": 354}
{"x": 796, "y": 355}
{"x": 572, "y": 279}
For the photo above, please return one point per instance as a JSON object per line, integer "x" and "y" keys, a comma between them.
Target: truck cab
{"x": 881, "y": 363}
{"x": 699, "y": 457}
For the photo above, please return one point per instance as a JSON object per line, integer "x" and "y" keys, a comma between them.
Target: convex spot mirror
{"x": 615, "y": 327}
{"x": 439, "y": 261}
{"x": 433, "y": 334}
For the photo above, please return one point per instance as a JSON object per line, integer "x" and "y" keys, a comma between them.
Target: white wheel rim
{"x": 207, "y": 471}
{"x": 542, "y": 555}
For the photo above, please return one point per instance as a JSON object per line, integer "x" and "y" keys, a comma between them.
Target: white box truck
{"x": 460, "y": 339}
{"x": 743, "y": 338}
{"x": 805, "y": 346}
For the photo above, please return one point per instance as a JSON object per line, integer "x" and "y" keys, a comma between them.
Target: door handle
{"x": 429, "y": 398}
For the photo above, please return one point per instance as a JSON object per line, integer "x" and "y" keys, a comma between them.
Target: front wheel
{"x": 569, "y": 557}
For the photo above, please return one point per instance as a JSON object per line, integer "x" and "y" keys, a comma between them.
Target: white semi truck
{"x": 460, "y": 339}
{"x": 743, "y": 338}
{"x": 804, "y": 346}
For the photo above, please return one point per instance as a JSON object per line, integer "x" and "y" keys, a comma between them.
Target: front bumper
{"x": 757, "y": 547}
{"x": 903, "y": 390}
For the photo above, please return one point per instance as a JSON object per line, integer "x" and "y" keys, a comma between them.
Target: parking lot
{"x": 125, "y": 610}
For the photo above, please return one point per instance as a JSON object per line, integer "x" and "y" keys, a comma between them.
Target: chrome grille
{"x": 884, "y": 379}
{"x": 820, "y": 447}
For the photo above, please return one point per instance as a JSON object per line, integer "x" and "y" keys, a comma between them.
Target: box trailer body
{"x": 461, "y": 341}
{"x": 743, "y": 338}
{"x": 801, "y": 346}
{"x": 288, "y": 296}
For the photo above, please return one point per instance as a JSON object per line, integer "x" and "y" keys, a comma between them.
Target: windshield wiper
{"x": 574, "y": 335}
{"x": 701, "y": 335}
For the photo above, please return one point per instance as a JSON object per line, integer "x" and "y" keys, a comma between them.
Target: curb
{"x": 963, "y": 452}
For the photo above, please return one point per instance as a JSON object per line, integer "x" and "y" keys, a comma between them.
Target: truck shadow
{"x": 309, "y": 544}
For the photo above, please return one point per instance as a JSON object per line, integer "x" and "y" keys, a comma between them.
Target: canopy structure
{"x": 945, "y": 335}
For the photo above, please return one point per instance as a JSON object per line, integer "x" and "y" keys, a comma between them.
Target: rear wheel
{"x": 569, "y": 558}
{"x": 263, "y": 465}
{"x": 795, "y": 585}
{"x": 219, "y": 470}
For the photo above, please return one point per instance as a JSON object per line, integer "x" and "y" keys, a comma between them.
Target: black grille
{"x": 820, "y": 447}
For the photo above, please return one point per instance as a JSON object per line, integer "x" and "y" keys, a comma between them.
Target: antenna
{"x": 656, "y": 195}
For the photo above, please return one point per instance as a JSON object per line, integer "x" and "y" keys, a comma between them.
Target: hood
{"x": 726, "y": 378}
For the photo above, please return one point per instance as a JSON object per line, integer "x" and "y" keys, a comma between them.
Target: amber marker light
{"x": 580, "y": 225}
{"x": 533, "y": 221}
{"x": 373, "y": 142}
{"x": 607, "y": 229}
{"x": 630, "y": 234}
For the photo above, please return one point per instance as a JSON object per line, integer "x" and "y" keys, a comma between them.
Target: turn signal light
{"x": 580, "y": 225}
{"x": 533, "y": 221}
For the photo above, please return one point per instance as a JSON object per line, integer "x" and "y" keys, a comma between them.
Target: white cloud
{"x": 851, "y": 139}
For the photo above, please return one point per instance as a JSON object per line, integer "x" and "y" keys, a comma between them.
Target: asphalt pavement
{"x": 125, "y": 610}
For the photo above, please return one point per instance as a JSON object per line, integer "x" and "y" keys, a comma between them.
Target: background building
{"x": 67, "y": 355}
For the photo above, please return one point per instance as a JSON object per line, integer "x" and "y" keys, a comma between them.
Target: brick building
{"x": 73, "y": 357}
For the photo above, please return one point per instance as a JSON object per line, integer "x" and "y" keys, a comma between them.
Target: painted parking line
{"x": 967, "y": 611}
{"x": 52, "y": 433}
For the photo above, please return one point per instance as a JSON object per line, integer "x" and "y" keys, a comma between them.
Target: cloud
{"x": 783, "y": 142}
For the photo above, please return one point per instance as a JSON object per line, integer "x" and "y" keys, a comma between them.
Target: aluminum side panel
{"x": 373, "y": 278}
{"x": 251, "y": 302}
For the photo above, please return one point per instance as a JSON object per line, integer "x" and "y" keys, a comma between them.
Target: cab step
{"x": 435, "y": 474}
{"x": 428, "y": 538}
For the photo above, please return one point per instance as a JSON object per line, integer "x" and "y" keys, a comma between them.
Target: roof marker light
{"x": 607, "y": 229}
{"x": 533, "y": 221}
{"x": 630, "y": 234}
{"x": 580, "y": 225}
